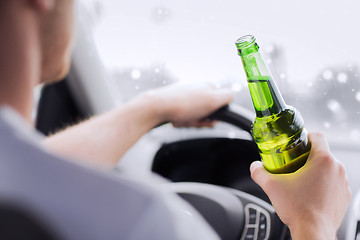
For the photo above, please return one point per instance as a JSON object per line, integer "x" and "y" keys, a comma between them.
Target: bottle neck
{"x": 265, "y": 95}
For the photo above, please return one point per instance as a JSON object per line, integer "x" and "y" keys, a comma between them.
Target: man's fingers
{"x": 196, "y": 124}
{"x": 318, "y": 142}
{"x": 224, "y": 96}
{"x": 259, "y": 174}
{"x": 320, "y": 150}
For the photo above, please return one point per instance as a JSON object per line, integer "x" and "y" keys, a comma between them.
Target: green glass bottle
{"x": 278, "y": 129}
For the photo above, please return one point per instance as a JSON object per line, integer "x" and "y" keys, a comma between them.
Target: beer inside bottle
{"x": 278, "y": 129}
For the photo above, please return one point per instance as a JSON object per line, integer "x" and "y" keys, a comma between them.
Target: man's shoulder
{"x": 63, "y": 192}
{"x": 21, "y": 151}
{"x": 82, "y": 203}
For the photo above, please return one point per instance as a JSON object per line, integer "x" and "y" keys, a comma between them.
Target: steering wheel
{"x": 234, "y": 115}
{"x": 212, "y": 174}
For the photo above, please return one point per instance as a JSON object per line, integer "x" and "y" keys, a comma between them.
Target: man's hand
{"x": 312, "y": 201}
{"x": 185, "y": 105}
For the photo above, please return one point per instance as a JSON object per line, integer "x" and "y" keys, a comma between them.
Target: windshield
{"x": 312, "y": 48}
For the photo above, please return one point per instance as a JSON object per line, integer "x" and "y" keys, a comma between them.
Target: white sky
{"x": 195, "y": 39}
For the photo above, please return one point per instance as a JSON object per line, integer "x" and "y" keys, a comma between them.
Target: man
{"x": 35, "y": 46}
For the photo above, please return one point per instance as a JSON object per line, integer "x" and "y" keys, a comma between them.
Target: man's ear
{"x": 44, "y": 5}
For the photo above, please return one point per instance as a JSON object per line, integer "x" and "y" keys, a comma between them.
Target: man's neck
{"x": 19, "y": 61}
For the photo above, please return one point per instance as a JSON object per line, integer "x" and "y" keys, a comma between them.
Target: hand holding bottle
{"x": 313, "y": 200}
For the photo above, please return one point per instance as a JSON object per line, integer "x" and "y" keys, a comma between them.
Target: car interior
{"x": 208, "y": 168}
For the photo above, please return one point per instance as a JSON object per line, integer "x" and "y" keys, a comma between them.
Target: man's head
{"x": 44, "y": 27}
{"x": 35, "y": 46}
{"x": 56, "y": 20}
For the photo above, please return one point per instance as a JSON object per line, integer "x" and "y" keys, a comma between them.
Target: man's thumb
{"x": 258, "y": 173}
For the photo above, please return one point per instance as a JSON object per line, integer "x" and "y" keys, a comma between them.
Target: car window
{"x": 312, "y": 48}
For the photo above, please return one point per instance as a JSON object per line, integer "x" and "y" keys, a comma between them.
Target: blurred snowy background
{"x": 312, "y": 48}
